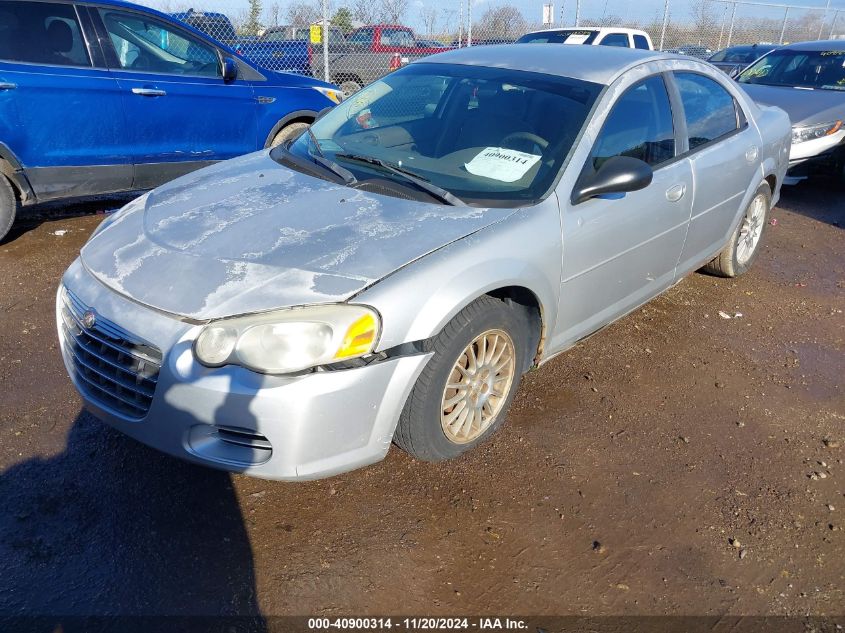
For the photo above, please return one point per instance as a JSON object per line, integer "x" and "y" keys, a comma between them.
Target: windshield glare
{"x": 824, "y": 70}
{"x": 489, "y": 136}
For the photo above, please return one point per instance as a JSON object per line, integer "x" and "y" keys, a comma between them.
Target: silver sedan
{"x": 390, "y": 275}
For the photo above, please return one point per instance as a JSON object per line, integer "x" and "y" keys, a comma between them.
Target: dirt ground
{"x": 679, "y": 462}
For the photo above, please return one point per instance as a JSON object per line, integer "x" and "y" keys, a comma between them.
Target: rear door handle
{"x": 149, "y": 92}
{"x": 676, "y": 192}
{"x": 7, "y": 86}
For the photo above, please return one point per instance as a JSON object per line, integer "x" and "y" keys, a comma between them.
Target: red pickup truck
{"x": 371, "y": 52}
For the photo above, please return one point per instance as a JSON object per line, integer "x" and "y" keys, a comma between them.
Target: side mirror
{"x": 619, "y": 174}
{"x": 230, "y": 69}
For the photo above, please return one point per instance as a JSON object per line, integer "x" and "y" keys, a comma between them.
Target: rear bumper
{"x": 275, "y": 427}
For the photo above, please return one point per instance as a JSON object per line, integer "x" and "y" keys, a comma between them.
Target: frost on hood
{"x": 249, "y": 234}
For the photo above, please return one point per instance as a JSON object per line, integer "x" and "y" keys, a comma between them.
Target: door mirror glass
{"x": 230, "y": 69}
{"x": 618, "y": 174}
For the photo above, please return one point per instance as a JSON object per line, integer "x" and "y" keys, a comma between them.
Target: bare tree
{"x": 303, "y": 14}
{"x": 505, "y": 22}
{"x": 366, "y": 11}
{"x": 703, "y": 18}
{"x": 428, "y": 17}
{"x": 275, "y": 12}
{"x": 392, "y": 11}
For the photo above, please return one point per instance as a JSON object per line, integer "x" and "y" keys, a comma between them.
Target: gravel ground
{"x": 679, "y": 462}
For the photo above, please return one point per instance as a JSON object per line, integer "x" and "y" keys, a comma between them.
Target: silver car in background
{"x": 807, "y": 81}
{"x": 391, "y": 274}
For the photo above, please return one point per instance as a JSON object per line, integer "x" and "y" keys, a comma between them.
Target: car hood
{"x": 804, "y": 107}
{"x": 249, "y": 235}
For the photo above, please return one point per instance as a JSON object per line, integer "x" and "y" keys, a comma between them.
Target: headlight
{"x": 289, "y": 340}
{"x": 330, "y": 93}
{"x": 138, "y": 202}
{"x": 812, "y": 132}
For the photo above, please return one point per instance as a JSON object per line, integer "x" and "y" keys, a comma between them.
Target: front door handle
{"x": 676, "y": 192}
{"x": 7, "y": 86}
{"x": 149, "y": 92}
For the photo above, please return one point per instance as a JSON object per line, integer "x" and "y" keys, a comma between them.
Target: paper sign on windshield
{"x": 577, "y": 38}
{"x": 498, "y": 163}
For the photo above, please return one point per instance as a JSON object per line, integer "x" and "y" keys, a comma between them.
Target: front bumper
{"x": 275, "y": 427}
{"x": 819, "y": 156}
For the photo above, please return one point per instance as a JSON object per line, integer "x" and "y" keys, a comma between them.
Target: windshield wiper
{"x": 282, "y": 154}
{"x": 430, "y": 188}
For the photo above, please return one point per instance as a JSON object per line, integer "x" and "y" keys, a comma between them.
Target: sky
{"x": 564, "y": 10}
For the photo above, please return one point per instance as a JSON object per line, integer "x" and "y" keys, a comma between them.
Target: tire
{"x": 290, "y": 131}
{"x": 424, "y": 429}
{"x": 349, "y": 86}
{"x": 9, "y": 206}
{"x": 739, "y": 253}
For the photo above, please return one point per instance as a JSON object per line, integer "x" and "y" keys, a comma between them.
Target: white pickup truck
{"x": 600, "y": 36}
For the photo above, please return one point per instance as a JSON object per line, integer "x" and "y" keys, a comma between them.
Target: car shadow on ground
{"x": 110, "y": 527}
{"x": 32, "y": 217}
{"x": 820, "y": 198}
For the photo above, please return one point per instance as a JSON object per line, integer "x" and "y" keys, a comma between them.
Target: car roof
{"x": 823, "y": 45}
{"x": 602, "y": 29}
{"x": 596, "y": 64}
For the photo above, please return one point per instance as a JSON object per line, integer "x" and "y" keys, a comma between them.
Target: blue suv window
{"x": 41, "y": 33}
{"x": 147, "y": 45}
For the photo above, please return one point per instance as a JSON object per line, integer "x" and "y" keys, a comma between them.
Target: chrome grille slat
{"x": 113, "y": 367}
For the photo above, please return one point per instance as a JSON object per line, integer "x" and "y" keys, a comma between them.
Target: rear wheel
{"x": 9, "y": 206}
{"x": 462, "y": 396}
{"x": 740, "y": 252}
{"x": 290, "y": 131}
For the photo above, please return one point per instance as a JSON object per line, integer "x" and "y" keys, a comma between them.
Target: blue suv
{"x": 106, "y": 96}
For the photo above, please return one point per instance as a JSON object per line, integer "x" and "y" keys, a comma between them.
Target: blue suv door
{"x": 61, "y": 117}
{"x": 180, "y": 112}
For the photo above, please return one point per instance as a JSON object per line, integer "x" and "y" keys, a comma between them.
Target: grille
{"x": 113, "y": 368}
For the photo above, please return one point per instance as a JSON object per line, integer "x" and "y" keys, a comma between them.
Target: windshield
{"x": 580, "y": 36}
{"x": 824, "y": 70}
{"x": 486, "y": 136}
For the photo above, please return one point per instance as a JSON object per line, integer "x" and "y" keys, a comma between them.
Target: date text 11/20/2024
{"x": 417, "y": 624}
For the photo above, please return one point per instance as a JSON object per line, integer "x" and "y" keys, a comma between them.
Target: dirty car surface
{"x": 391, "y": 274}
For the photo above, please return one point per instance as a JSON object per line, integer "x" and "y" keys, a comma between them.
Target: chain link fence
{"x": 365, "y": 39}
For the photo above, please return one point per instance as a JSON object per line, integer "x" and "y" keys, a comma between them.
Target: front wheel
{"x": 462, "y": 396}
{"x": 740, "y": 252}
{"x": 9, "y": 206}
{"x": 289, "y": 132}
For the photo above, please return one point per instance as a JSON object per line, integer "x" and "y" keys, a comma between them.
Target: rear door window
{"x": 640, "y": 41}
{"x": 640, "y": 126}
{"x": 615, "y": 39}
{"x": 710, "y": 110}
{"x": 41, "y": 33}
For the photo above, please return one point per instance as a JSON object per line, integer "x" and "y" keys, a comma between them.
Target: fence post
{"x": 469, "y": 22}
{"x": 783, "y": 28}
{"x": 722, "y": 30}
{"x": 824, "y": 19}
{"x": 578, "y": 13}
{"x": 731, "y": 31}
{"x": 326, "y": 40}
{"x": 665, "y": 23}
{"x": 461, "y": 27}
{"x": 833, "y": 24}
